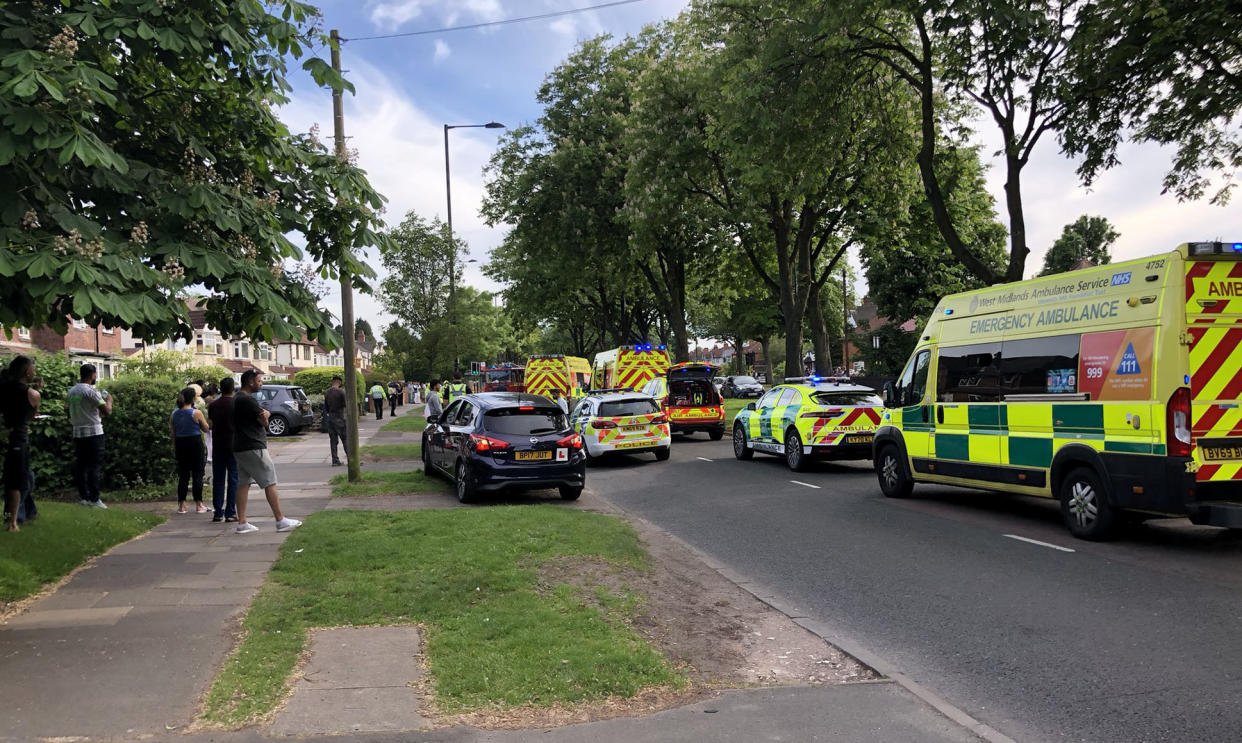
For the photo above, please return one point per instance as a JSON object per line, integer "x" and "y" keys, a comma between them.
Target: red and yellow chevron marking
{"x": 696, "y": 414}
{"x": 543, "y": 381}
{"x": 859, "y": 420}
{"x": 1218, "y": 282}
{"x": 617, "y": 435}
{"x": 636, "y": 368}
{"x": 1215, "y": 387}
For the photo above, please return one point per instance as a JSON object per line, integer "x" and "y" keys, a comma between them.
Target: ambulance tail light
{"x": 572, "y": 441}
{"x": 486, "y": 443}
{"x": 1178, "y": 416}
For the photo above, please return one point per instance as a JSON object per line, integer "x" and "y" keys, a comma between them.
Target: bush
{"x": 278, "y": 380}
{"x": 177, "y": 365}
{"x": 317, "y": 381}
{"x": 139, "y": 451}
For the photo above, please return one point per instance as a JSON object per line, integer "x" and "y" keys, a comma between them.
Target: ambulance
{"x": 629, "y": 367}
{"x": 1113, "y": 389}
{"x": 567, "y": 376}
{"x": 689, "y": 399}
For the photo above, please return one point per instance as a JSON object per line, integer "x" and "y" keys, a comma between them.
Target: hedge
{"x": 51, "y": 438}
{"x": 317, "y": 381}
{"x": 138, "y": 450}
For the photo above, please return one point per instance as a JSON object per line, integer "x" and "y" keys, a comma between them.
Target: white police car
{"x": 621, "y": 421}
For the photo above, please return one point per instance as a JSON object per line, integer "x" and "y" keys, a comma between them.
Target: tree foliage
{"x": 418, "y": 261}
{"x": 141, "y": 153}
{"x": 1086, "y": 237}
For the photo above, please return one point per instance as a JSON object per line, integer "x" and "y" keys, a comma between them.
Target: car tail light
{"x": 1178, "y": 418}
{"x": 835, "y": 412}
{"x": 659, "y": 419}
{"x": 486, "y": 443}
{"x": 572, "y": 441}
{"x": 600, "y": 425}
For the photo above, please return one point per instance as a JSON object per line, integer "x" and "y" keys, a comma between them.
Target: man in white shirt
{"x": 86, "y": 407}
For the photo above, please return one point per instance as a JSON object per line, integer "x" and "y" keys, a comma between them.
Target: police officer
{"x": 456, "y": 389}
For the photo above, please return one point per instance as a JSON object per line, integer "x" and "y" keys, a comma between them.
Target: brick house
{"x": 83, "y": 343}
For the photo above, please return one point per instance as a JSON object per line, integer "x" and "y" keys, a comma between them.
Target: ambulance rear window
{"x": 613, "y": 409}
{"x": 847, "y": 398}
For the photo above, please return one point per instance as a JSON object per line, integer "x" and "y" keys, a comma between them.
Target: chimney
{"x": 362, "y": 336}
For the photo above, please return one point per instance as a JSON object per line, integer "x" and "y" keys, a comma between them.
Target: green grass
{"x": 406, "y": 423}
{"x": 469, "y": 576}
{"x": 384, "y": 452}
{"x": 732, "y": 406}
{"x": 389, "y": 483}
{"x": 61, "y": 539}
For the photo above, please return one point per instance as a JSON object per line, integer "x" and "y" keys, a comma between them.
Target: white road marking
{"x": 705, "y": 459}
{"x": 1041, "y": 544}
{"x": 804, "y": 484}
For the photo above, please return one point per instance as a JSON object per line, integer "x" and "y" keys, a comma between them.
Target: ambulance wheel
{"x": 1085, "y": 506}
{"x": 662, "y": 454}
{"x": 895, "y": 480}
{"x": 716, "y": 434}
{"x": 570, "y": 493}
{"x": 740, "y": 450}
{"x": 794, "y": 456}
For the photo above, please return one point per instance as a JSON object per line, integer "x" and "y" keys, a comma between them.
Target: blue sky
{"x": 408, "y": 88}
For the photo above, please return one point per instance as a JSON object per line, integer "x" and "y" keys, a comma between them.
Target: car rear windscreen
{"x": 744, "y": 380}
{"x": 297, "y": 393}
{"x": 848, "y": 398}
{"x": 524, "y": 422}
{"x": 619, "y": 408}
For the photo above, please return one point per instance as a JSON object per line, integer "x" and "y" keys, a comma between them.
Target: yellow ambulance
{"x": 1113, "y": 389}
{"x": 568, "y": 376}
{"x": 629, "y": 367}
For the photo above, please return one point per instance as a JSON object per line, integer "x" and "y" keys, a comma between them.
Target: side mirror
{"x": 890, "y": 395}
{"x": 433, "y": 418}
{"x": 750, "y": 406}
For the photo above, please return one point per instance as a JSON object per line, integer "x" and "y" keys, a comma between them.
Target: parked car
{"x": 623, "y": 423}
{"x": 494, "y": 441}
{"x": 741, "y": 386}
{"x": 289, "y": 408}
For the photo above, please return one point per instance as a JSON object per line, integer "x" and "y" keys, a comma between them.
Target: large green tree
{"x": 418, "y": 259}
{"x": 1086, "y": 237}
{"x": 140, "y": 153}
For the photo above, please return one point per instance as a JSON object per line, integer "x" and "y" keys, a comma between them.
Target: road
{"x": 1134, "y": 640}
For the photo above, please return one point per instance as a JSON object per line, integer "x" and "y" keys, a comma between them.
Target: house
{"x": 85, "y": 344}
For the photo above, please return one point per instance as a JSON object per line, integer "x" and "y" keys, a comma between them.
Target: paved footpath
{"x": 128, "y": 646}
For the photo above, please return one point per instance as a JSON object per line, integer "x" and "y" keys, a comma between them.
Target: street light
{"x": 448, "y": 194}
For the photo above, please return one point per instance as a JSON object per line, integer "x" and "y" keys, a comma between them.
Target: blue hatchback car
{"x": 493, "y": 441}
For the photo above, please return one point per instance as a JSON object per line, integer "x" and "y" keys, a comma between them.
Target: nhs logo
{"x": 1120, "y": 279}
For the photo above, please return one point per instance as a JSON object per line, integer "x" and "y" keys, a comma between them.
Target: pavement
{"x": 127, "y": 647}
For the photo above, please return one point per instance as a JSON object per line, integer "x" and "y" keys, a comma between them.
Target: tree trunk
{"x": 765, "y": 343}
{"x": 739, "y": 357}
{"x": 819, "y": 334}
{"x": 1017, "y": 220}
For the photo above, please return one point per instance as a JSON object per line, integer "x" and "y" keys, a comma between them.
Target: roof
{"x": 497, "y": 399}
{"x": 827, "y": 387}
{"x": 236, "y": 365}
{"x": 611, "y": 394}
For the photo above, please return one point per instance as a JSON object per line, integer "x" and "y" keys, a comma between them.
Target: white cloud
{"x": 396, "y": 14}
{"x": 402, "y": 149}
{"x": 442, "y": 51}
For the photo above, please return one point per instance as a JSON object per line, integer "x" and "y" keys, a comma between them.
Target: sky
{"x": 408, "y": 88}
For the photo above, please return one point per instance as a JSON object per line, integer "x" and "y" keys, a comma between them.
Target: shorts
{"x": 255, "y": 466}
{"x": 17, "y": 466}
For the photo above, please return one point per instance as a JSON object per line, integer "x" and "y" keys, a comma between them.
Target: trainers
{"x": 246, "y": 528}
{"x": 287, "y": 524}
{"x": 97, "y": 504}
{"x": 219, "y": 517}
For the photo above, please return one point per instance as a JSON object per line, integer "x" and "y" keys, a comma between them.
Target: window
{"x": 910, "y": 388}
{"x": 970, "y": 373}
{"x": 847, "y": 398}
{"x": 109, "y": 331}
{"x": 241, "y": 349}
{"x": 465, "y": 414}
{"x": 79, "y": 324}
{"x": 1039, "y": 366}
{"x": 789, "y": 396}
{"x": 306, "y": 353}
{"x": 451, "y": 411}
{"x": 769, "y": 400}
{"x": 23, "y": 333}
{"x": 615, "y": 408}
{"x": 515, "y": 422}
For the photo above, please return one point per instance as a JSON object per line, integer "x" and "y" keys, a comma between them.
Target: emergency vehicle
{"x": 1113, "y": 389}
{"x": 809, "y": 418}
{"x": 568, "y": 375}
{"x": 689, "y": 399}
{"x": 502, "y": 378}
{"x": 621, "y": 421}
{"x": 629, "y": 367}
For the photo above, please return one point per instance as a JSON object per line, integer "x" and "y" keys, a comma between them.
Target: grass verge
{"x": 388, "y": 452}
{"x": 389, "y": 483}
{"x": 61, "y": 539}
{"x": 470, "y": 576}
{"x": 406, "y": 423}
{"x": 732, "y": 406}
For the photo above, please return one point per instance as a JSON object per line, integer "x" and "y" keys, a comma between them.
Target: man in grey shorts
{"x": 250, "y": 450}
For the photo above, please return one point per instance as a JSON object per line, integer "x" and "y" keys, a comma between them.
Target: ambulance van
{"x": 1113, "y": 389}
{"x": 567, "y": 376}
{"x": 629, "y": 367}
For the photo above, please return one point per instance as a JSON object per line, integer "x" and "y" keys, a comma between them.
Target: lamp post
{"x": 448, "y": 195}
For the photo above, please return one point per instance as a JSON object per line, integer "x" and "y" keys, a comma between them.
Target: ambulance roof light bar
{"x": 1215, "y": 248}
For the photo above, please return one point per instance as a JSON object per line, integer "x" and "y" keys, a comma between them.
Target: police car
{"x": 621, "y": 421}
{"x": 809, "y": 418}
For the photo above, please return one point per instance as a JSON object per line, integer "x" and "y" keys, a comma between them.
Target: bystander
{"x": 334, "y": 418}
{"x": 86, "y": 406}
{"x": 223, "y": 464}
{"x": 250, "y": 448}
{"x": 19, "y": 402}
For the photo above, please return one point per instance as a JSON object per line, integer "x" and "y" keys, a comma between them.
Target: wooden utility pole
{"x": 347, "y": 292}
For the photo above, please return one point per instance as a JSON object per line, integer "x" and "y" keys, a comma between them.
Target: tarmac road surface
{"x": 984, "y": 598}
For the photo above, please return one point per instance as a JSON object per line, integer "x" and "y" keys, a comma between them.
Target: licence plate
{"x": 1222, "y": 452}
{"x": 532, "y": 456}
{"x": 631, "y": 429}
{"x": 862, "y": 439}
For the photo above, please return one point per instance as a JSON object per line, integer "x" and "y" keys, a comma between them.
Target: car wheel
{"x": 1085, "y": 506}
{"x": 465, "y": 485}
{"x": 716, "y": 434}
{"x": 794, "y": 457}
{"x": 740, "y": 450}
{"x": 895, "y": 481}
{"x": 569, "y": 492}
{"x": 663, "y": 453}
{"x": 277, "y": 425}
{"x": 426, "y": 454}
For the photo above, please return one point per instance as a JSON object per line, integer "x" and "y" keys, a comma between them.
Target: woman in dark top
{"x": 188, "y": 426}
{"x": 18, "y": 404}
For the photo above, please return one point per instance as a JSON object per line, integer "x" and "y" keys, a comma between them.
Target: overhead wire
{"x": 486, "y": 24}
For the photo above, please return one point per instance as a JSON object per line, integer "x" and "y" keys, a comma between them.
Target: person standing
{"x": 334, "y": 418}
{"x": 28, "y": 510}
{"x": 86, "y": 407}
{"x": 187, "y": 426}
{"x": 456, "y": 389}
{"x": 377, "y": 400}
{"x": 411, "y": 393}
{"x": 223, "y": 464}
{"x": 19, "y": 402}
{"x": 394, "y": 398}
{"x": 250, "y": 448}
{"x": 433, "y": 407}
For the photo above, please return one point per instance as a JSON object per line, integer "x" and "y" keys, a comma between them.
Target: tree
{"x": 1008, "y": 58}
{"x": 140, "y": 153}
{"x": 418, "y": 260}
{"x": 1087, "y": 237}
{"x": 361, "y": 325}
{"x": 1165, "y": 71}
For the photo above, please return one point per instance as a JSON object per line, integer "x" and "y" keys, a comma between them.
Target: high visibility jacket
{"x": 456, "y": 390}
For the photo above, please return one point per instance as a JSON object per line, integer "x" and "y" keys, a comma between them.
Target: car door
{"x": 580, "y": 416}
{"x": 784, "y": 413}
{"x": 457, "y": 438}
{"x": 761, "y": 418}
{"x": 436, "y": 437}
